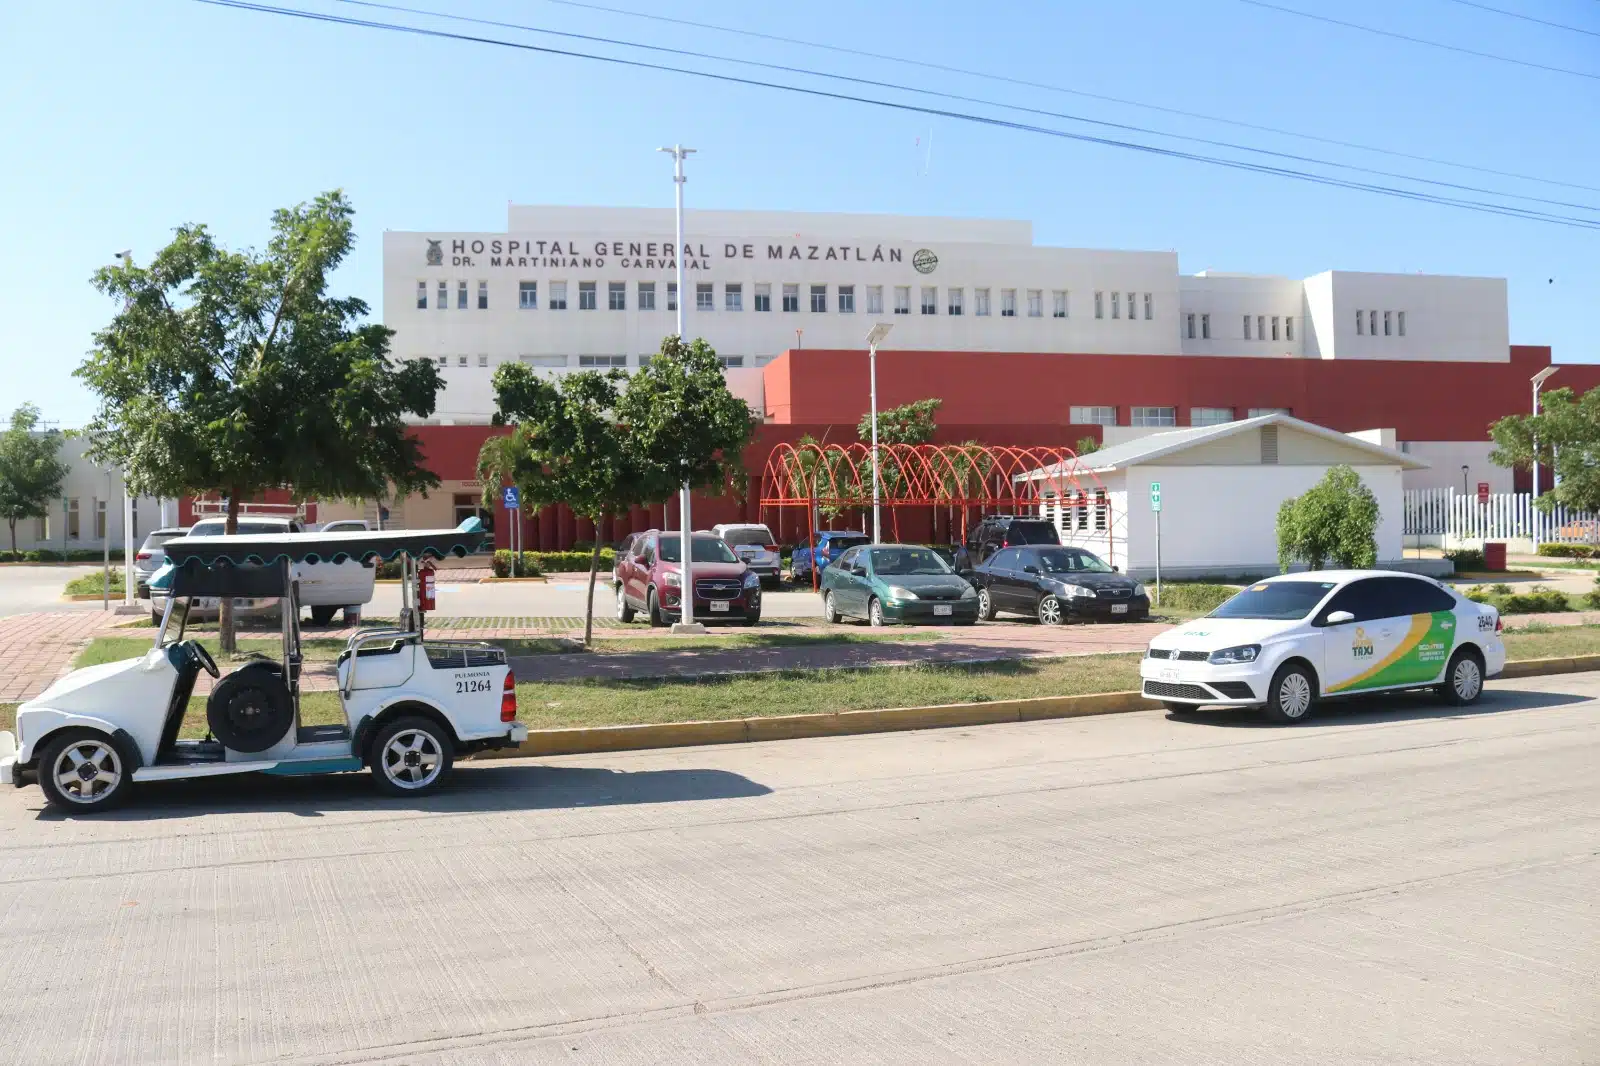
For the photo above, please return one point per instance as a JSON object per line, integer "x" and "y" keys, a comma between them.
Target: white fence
{"x": 1459, "y": 516}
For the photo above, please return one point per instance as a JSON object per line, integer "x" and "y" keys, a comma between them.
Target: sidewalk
{"x": 35, "y": 649}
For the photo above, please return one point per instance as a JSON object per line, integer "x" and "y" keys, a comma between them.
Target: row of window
{"x": 1261, "y": 327}
{"x": 590, "y": 362}
{"x": 1164, "y": 416}
{"x": 442, "y": 301}
{"x": 1394, "y": 323}
{"x": 70, "y": 513}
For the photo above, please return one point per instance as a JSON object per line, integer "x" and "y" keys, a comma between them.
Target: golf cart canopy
{"x": 251, "y": 565}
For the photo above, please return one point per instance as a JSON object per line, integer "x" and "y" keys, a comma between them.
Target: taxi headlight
{"x": 898, "y": 593}
{"x": 1244, "y": 653}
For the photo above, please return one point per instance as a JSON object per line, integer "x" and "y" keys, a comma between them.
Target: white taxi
{"x": 1287, "y": 642}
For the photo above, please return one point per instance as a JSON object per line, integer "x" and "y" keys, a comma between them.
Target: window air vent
{"x": 1269, "y": 445}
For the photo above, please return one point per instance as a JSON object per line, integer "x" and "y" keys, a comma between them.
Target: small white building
{"x": 89, "y": 512}
{"x": 1220, "y": 489}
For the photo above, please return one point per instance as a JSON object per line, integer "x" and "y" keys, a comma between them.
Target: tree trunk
{"x": 588, "y": 607}
{"x": 225, "y": 637}
{"x": 13, "y": 536}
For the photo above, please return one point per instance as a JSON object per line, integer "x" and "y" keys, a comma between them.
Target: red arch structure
{"x": 962, "y": 479}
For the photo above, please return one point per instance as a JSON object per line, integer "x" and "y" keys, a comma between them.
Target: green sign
{"x": 1155, "y": 495}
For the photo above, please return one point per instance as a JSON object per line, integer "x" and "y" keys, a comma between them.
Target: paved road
{"x": 1405, "y": 885}
{"x": 560, "y": 597}
{"x": 24, "y": 589}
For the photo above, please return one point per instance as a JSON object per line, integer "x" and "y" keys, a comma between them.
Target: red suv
{"x": 649, "y": 579}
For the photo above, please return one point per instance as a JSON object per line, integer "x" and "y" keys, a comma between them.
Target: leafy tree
{"x": 31, "y": 470}
{"x": 1565, "y": 436}
{"x": 237, "y": 373}
{"x": 910, "y": 423}
{"x": 1087, "y": 445}
{"x": 680, "y": 412}
{"x": 1336, "y": 519}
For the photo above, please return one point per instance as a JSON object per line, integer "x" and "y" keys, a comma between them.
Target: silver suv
{"x": 754, "y": 546}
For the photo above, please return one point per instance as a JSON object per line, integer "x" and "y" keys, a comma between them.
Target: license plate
{"x": 719, "y": 605}
{"x": 1169, "y": 674}
{"x": 942, "y": 610}
{"x": 1119, "y": 608}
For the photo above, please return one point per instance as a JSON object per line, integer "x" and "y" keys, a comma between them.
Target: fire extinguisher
{"x": 425, "y": 587}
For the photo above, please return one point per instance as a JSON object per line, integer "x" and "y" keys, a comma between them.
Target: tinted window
{"x": 704, "y": 549}
{"x": 1032, "y": 533}
{"x": 848, "y": 559}
{"x": 215, "y": 527}
{"x": 1365, "y": 600}
{"x": 1004, "y": 560}
{"x": 905, "y": 562}
{"x": 1409, "y": 595}
{"x": 754, "y": 535}
{"x": 1282, "y": 601}
{"x": 1069, "y": 561}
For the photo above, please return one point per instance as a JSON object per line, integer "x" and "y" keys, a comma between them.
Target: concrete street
{"x": 558, "y": 597}
{"x": 25, "y": 589}
{"x": 1395, "y": 882}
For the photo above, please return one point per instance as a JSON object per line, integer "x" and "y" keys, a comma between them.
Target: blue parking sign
{"x": 512, "y": 498}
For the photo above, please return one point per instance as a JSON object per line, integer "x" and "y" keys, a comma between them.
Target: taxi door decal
{"x": 1419, "y": 655}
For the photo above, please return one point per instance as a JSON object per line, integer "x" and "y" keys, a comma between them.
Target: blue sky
{"x": 119, "y": 121}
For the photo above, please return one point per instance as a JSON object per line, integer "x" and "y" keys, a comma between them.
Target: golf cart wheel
{"x": 653, "y": 608}
{"x": 82, "y": 770}
{"x": 410, "y": 756}
{"x": 875, "y": 614}
{"x": 624, "y": 612}
{"x": 1292, "y": 695}
{"x": 829, "y": 611}
{"x": 250, "y": 710}
{"x": 985, "y": 605}
{"x": 321, "y": 616}
{"x": 1463, "y": 679}
{"x": 1050, "y": 612}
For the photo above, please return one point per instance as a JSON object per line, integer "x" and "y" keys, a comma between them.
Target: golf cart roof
{"x": 196, "y": 564}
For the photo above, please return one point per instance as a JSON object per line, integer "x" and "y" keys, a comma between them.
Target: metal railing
{"x": 1499, "y": 516}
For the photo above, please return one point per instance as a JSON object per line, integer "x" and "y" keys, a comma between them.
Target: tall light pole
{"x": 1538, "y": 382}
{"x": 126, "y": 256}
{"x": 875, "y": 337}
{"x": 686, "y": 593}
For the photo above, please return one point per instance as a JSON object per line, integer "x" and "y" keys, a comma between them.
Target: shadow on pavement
{"x": 474, "y": 788}
{"x": 1404, "y": 707}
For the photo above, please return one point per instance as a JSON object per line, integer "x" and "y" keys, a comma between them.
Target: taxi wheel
{"x": 1292, "y": 694}
{"x": 1463, "y": 681}
{"x": 985, "y": 605}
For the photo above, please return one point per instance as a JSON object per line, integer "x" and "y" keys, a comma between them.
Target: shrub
{"x": 1537, "y": 599}
{"x": 93, "y": 584}
{"x": 1500, "y": 589}
{"x": 1467, "y": 560}
{"x": 389, "y": 571}
{"x": 1567, "y": 551}
{"x": 570, "y": 562}
{"x": 1195, "y": 596}
{"x": 10, "y": 557}
{"x": 1477, "y": 594}
{"x": 1336, "y": 520}
{"x": 41, "y": 555}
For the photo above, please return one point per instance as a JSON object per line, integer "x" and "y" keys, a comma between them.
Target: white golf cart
{"x": 410, "y": 704}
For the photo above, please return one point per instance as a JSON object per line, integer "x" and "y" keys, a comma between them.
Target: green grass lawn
{"x": 94, "y": 584}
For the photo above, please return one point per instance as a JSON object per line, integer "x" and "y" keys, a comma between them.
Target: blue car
{"x": 830, "y": 545}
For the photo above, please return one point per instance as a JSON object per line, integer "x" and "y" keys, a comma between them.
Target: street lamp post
{"x": 875, "y": 337}
{"x": 126, "y": 255}
{"x": 686, "y": 593}
{"x": 1538, "y": 381}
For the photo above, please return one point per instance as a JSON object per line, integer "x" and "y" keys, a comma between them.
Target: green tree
{"x": 910, "y": 423}
{"x": 1564, "y": 436}
{"x": 237, "y": 373}
{"x": 1087, "y": 445}
{"x": 680, "y": 412}
{"x": 31, "y": 470}
{"x": 1336, "y": 519}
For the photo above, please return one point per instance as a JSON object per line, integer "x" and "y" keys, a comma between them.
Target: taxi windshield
{"x": 1281, "y": 601}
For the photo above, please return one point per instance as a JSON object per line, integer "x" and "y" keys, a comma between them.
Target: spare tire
{"x": 251, "y": 709}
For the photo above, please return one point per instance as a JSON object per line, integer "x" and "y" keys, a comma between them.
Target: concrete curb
{"x": 588, "y": 740}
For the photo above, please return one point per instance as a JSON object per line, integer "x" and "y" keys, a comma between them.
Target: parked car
{"x": 896, "y": 583}
{"x": 998, "y": 531}
{"x": 830, "y": 544}
{"x": 623, "y": 548}
{"x": 1287, "y": 642}
{"x": 1056, "y": 584}
{"x": 345, "y": 525}
{"x": 756, "y": 548}
{"x": 325, "y": 587}
{"x": 151, "y": 555}
{"x": 650, "y": 580}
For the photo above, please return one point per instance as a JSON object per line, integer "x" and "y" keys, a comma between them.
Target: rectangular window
{"x": 874, "y": 299}
{"x": 1372, "y": 323}
{"x": 599, "y": 361}
{"x": 461, "y": 296}
{"x": 791, "y": 297}
{"x": 443, "y": 360}
{"x": 705, "y": 297}
{"x": 1205, "y": 327}
{"x": 1092, "y": 416}
{"x": 99, "y": 520}
{"x": 1400, "y": 321}
{"x": 422, "y": 296}
{"x": 483, "y": 361}
{"x": 1116, "y": 305}
{"x": 1149, "y": 306}
{"x": 588, "y": 295}
{"x": 1132, "y": 314}
{"x": 528, "y": 295}
{"x": 444, "y": 295}
{"x": 1008, "y": 303}
{"x": 819, "y": 299}
{"x": 483, "y": 296}
{"x": 1274, "y": 327}
{"x": 1035, "y": 303}
{"x": 1246, "y": 327}
{"x": 1261, "y": 327}
{"x": 644, "y": 360}
{"x": 847, "y": 299}
{"x": 1361, "y": 323}
{"x": 647, "y": 296}
{"x": 672, "y": 296}
{"x": 1257, "y": 412}
{"x": 558, "y": 296}
{"x": 1386, "y": 324}
{"x": 1059, "y": 297}
{"x": 41, "y": 525}
{"x": 542, "y": 360}
{"x": 1154, "y": 416}
{"x": 954, "y": 299}
{"x": 1288, "y": 328}
{"x": 763, "y": 296}
{"x": 1099, "y": 305}
{"x": 1188, "y": 326}
{"x": 617, "y": 295}
{"x": 728, "y": 361}
{"x": 733, "y": 297}
{"x": 980, "y": 302}
{"x": 461, "y": 360}
{"x": 1210, "y": 416}
{"x": 902, "y": 299}
{"x": 72, "y": 519}
{"x": 930, "y": 300}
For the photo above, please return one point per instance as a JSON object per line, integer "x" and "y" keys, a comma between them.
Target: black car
{"x": 998, "y": 531}
{"x": 1054, "y": 584}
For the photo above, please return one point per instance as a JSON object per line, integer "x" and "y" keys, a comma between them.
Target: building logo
{"x": 925, "y": 261}
{"x": 1361, "y": 646}
{"x": 435, "y": 253}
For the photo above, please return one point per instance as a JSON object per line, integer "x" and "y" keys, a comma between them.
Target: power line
{"x": 1526, "y": 18}
{"x": 843, "y": 50}
{"x": 1234, "y": 164}
{"x": 1125, "y": 127}
{"x": 1421, "y": 40}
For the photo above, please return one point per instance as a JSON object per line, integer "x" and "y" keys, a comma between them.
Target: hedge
{"x": 1467, "y": 560}
{"x": 1569, "y": 551}
{"x": 1536, "y": 600}
{"x": 1192, "y": 596}
{"x": 533, "y": 564}
{"x": 50, "y": 555}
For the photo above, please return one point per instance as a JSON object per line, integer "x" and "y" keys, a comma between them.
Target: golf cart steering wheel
{"x": 203, "y": 657}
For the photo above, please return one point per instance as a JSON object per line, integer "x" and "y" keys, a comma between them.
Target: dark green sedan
{"x": 896, "y": 583}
